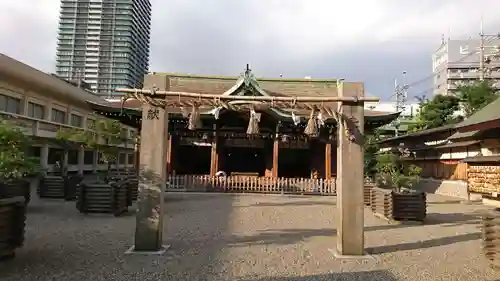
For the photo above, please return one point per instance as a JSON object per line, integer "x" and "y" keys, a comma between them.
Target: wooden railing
{"x": 45, "y": 128}
{"x": 251, "y": 184}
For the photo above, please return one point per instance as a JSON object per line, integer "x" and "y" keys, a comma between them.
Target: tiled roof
{"x": 489, "y": 113}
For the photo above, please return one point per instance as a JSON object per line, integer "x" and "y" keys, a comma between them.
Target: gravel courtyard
{"x": 250, "y": 238}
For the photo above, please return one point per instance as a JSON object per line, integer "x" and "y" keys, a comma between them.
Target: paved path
{"x": 250, "y": 238}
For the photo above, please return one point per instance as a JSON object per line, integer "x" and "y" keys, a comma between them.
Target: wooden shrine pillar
{"x": 328, "y": 160}
{"x": 276, "y": 150}
{"x": 214, "y": 153}
{"x": 214, "y": 158}
{"x": 152, "y": 174}
{"x": 169, "y": 154}
{"x": 350, "y": 232}
{"x": 275, "y": 158}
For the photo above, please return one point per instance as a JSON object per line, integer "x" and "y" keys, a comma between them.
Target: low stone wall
{"x": 450, "y": 188}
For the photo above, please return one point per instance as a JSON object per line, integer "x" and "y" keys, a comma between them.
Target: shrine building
{"x": 226, "y": 140}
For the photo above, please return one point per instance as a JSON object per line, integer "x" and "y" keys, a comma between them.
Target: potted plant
{"x": 397, "y": 178}
{"x": 15, "y": 166}
{"x": 370, "y": 163}
{"x": 104, "y": 136}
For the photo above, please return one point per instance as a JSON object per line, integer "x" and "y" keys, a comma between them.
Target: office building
{"x": 104, "y": 42}
{"x": 42, "y": 104}
{"x": 457, "y": 62}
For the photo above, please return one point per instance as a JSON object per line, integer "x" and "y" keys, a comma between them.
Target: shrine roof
{"x": 488, "y": 117}
{"x": 205, "y": 84}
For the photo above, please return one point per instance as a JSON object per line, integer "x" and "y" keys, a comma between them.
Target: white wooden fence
{"x": 251, "y": 184}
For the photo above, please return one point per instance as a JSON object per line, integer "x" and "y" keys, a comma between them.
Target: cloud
{"x": 370, "y": 41}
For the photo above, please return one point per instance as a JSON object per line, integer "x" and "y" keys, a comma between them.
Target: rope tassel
{"x": 312, "y": 129}
{"x": 195, "y": 119}
{"x": 253, "y": 123}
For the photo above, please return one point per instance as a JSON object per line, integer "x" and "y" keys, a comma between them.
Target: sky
{"x": 372, "y": 41}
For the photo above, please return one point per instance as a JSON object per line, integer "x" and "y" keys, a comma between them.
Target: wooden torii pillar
{"x": 350, "y": 176}
{"x": 153, "y": 161}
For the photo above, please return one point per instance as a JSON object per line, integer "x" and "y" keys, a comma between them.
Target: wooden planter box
{"x": 133, "y": 185}
{"x": 367, "y": 190}
{"x": 411, "y": 206}
{"x": 71, "y": 186}
{"x": 398, "y": 206}
{"x": 491, "y": 235}
{"x": 109, "y": 198}
{"x": 14, "y": 188}
{"x": 130, "y": 181}
{"x": 52, "y": 187}
{"x": 12, "y": 224}
{"x": 381, "y": 202}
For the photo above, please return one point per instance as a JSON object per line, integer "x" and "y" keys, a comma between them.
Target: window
{"x": 130, "y": 157}
{"x": 88, "y": 157}
{"x": 73, "y": 157}
{"x": 76, "y": 120}
{"x": 10, "y": 104}
{"x": 122, "y": 158}
{"x": 36, "y": 110}
{"x": 55, "y": 155}
{"x": 35, "y": 151}
{"x": 58, "y": 116}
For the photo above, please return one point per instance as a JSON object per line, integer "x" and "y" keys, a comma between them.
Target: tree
{"x": 473, "y": 97}
{"x": 439, "y": 111}
{"x": 393, "y": 172}
{"x": 103, "y": 135}
{"x": 15, "y": 162}
{"x": 371, "y": 149}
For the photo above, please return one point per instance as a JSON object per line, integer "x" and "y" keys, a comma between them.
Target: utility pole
{"x": 481, "y": 53}
{"x": 486, "y": 57}
{"x": 401, "y": 93}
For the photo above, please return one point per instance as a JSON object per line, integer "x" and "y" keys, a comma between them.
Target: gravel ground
{"x": 250, "y": 238}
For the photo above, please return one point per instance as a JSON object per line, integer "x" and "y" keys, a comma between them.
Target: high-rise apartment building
{"x": 457, "y": 62}
{"x": 104, "y": 42}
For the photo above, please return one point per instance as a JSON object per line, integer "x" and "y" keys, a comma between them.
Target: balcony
{"x": 47, "y": 129}
{"x": 463, "y": 75}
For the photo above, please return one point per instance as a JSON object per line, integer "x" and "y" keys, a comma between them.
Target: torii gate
{"x": 346, "y": 108}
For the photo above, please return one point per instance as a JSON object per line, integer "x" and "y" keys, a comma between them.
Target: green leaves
{"x": 371, "y": 149}
{"x": 14, "y": 159}
{"x": 444, "y": 110}
{"x": 393, "y": 172}
{"x": 475, "y": 96}
{"x": 103, "y": 135}
{"x": 437, "y": 112}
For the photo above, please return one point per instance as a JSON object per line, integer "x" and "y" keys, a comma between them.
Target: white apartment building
{"x": 457, "y": 61}
{"x": 104, "y": 42}
{"x": 410, "y": 109}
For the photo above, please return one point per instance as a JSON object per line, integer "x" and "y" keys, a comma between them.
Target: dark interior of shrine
{"x": 294, "y": 163}
{"x": 192, "y": 160}
{"x": 243, "y": 160}
{"x": 248, "y": 156}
